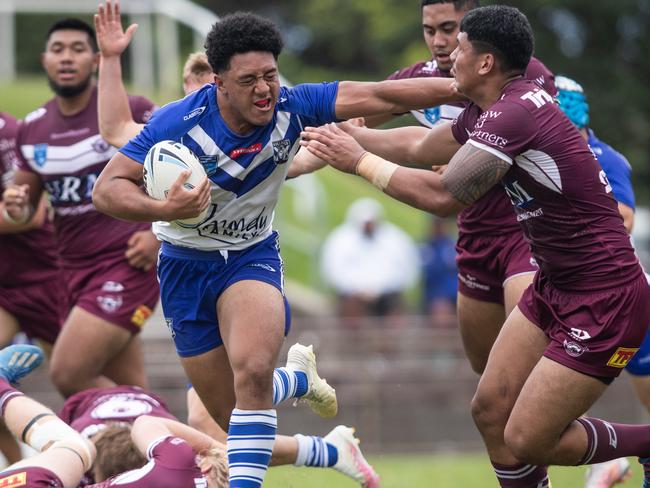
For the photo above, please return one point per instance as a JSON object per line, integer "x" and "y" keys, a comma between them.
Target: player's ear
{"x": 218, "y": 82}
{"x": 487, "y": 63}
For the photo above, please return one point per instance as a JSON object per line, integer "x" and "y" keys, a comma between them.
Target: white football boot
{"x": 350, "y": 459}
{"x": 608, "y": 474}
{"x": 320, "y": 396}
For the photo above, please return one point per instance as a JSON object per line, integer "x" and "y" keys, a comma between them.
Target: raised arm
{"x": 470, "y": 174}
{"x": 116, "y": 123}
{"x": 357, "y": 98}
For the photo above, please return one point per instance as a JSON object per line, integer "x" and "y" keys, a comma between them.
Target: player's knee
{"x": 65, "y": 379}
{"x": 254, "y": 373}
{"x": 524, "y": 444}
{"x": 489, "y": 408}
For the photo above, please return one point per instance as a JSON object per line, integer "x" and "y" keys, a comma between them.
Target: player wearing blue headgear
{"x": 618, "y": 172}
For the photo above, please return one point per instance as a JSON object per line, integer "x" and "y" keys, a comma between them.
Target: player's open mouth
{"x": 263, "y": 104}
{"x": 442, "y": 57}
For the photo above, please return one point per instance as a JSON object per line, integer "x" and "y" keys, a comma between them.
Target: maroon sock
{"x": 7, "y": 392}
{"x": 521, "y": 476}
{"x": 607, "y": 441}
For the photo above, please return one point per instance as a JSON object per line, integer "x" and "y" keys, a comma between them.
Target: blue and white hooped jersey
{"x": 246, "y": 171}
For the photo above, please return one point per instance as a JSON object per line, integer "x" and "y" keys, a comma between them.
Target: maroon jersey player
{"x": 493, "y": 259}
{"x": 586, "y": 313}
{"x": 29, "y": 273}
{"x": 107, "y": 264}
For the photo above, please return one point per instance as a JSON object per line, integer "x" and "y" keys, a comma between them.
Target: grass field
{"x": 421, "y": 471}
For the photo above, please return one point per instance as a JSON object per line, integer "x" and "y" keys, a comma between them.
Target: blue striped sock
{"x": 315, "y": 451}
{"x": 250, "y": 442}
{"x": 288, "y": 383}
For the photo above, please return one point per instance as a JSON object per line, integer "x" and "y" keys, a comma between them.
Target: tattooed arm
{"x": 470, "y": 174}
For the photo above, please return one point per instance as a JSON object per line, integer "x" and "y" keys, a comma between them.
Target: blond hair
{"x": 196, "y": 66}
{"x": 217, "y": 458}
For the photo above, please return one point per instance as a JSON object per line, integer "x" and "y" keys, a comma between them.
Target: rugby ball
{"x": 164, "y": 163}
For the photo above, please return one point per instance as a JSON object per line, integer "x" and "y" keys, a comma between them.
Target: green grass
{"x": 422, "y": 471}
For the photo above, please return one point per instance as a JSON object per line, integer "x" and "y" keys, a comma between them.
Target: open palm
{"x": 111, "y": 37}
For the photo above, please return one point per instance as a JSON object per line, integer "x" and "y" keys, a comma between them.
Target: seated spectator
{"x": 369, "y": 263}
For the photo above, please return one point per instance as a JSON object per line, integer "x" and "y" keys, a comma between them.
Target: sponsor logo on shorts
{"x": 13, "y": 481}
{"x": 141, "y": 314}
{"x": 574, "y": 349}
{"x": 113, "y": 286}
{"x": 579, "y": 334}
{"x": 170, "y": 326}
{"x": 263, "y": 266}
{"x": 622, "y": 356}
{"x": 470, "y": 282}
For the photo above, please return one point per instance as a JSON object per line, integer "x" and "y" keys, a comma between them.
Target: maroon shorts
{"x": 595, "y": 333}
{"x": 114, "y": 291}
{"x": 486, "y": 263}
{"x": 37, "y": 307}
{"x": 30, "y": 477}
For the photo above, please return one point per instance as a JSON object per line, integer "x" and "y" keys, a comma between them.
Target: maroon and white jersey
{"x": 492, "y": 213}
{"x": 561, "y": 196}
{"x": 89, "y": 411}
{"x": 172, "y": 464}
{"x": 27, "y": 257}
{"x": 68, "y": 154}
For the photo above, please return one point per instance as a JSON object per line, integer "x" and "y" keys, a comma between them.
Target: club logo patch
{"x": 574, "y": 349}
{"x": 432, "y": 115}
{"x": 281, "y": 151}
{"x": 40, "y": 155}
{"x": 101, "y": 146}
{"x": 621, "y": 357}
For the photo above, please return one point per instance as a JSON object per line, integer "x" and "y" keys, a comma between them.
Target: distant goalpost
{"x": 168, "y": 15}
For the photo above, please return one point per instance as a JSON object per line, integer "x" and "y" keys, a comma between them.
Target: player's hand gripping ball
{"x": 164, "y": 163}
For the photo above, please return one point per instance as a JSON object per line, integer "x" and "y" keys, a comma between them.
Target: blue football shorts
{"x": 640, "y": 363}
{"x": 191, "y": 282}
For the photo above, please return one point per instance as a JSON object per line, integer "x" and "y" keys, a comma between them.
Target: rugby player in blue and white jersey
{"x": 222, "y": 281}
{"x": 618, "y": 172}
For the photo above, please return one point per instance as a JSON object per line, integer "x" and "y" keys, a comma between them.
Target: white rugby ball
{"x": 164, "y": 163}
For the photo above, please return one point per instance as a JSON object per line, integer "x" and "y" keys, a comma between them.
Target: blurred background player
{"x": 30, "y": 286}
{"x": 369, "y": 263}
{"x": 618, "y": 172}
{"x": 107, "y": 264}
{"x": 440, "y": 274}
{"x": 493, "y": 259}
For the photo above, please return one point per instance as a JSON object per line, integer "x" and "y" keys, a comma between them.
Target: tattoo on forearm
{"x": 472, "y": 172}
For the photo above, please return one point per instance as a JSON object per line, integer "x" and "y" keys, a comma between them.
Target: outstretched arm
{"x": 357, "y": 98}
{"x": 147, "y": 429}
{"x": 116, "y": 123}
{"x": 470, "y": 174}
{"x": 410, "y": 146}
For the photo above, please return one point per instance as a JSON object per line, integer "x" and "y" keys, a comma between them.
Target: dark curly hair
{"x": 503, "y": 31}
{"x": 240, "y": 33}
